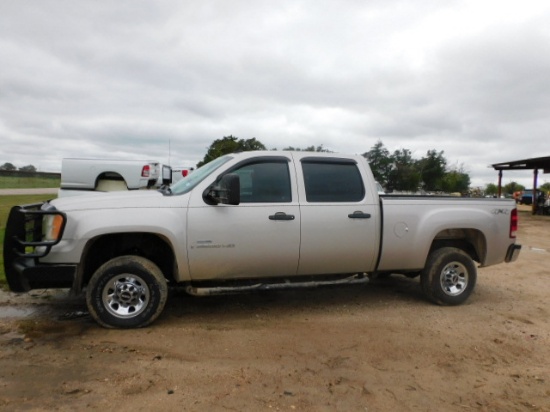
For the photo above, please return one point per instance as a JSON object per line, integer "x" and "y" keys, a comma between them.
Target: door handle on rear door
{"x": 359, "y": 215}
{"x": 281, "y": 216}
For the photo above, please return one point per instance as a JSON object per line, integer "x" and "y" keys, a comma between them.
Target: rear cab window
{"x": 332, "y": 180}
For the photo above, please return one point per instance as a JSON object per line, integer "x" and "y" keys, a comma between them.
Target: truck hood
{"x": 119, "y": 200}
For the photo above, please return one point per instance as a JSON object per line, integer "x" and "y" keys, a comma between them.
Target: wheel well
{"x": 109, "y": 176}
{"x": 471, "y": 241}
{"x": 148, "y": 245}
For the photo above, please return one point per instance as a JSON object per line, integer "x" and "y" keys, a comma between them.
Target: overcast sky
{"x": 163, "y": 79}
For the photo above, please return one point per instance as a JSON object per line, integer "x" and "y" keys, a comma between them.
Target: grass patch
{"x": 14, "y": 182}
{"x": 6, "y": 203}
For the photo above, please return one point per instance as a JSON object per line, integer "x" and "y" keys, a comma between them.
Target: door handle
{"x": 359, "y": 215}
{"x": 281, "y": 216}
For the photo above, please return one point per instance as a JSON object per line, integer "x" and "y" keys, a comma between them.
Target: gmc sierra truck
{"x": 253, "y": 221}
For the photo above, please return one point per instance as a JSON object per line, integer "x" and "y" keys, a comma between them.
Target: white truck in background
{"x": 79, "y": 176}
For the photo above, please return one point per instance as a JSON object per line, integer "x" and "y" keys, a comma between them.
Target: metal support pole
{"x": 535, "y": 178}
{"x": 499, "y": 183}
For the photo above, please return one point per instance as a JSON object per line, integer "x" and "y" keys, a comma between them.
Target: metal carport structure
{"x": 533, "y": 164}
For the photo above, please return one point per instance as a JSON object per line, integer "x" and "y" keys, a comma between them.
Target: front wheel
{"x": 449, "y": 276}
{"x": 126, "y": 292}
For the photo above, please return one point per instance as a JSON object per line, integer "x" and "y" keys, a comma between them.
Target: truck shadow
{"x": 391, "y": 291}
{"x": 66, "y": 312}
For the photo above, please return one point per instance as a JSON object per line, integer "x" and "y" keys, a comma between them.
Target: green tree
{"x": 545, "y": 187}
{"x": 400, "y": 171}
{"x": 230, "y": 144}
{"x": 380, "y": 162}
{"x": 308, "y": 149}
{"x": 512, "y": 187}
{"x": 491, "y": 189}
{"x": 404, "y": 175}
{"x": 8, "y": 166}
{"x": 28, "y": 168}
{"x": 432, "y": 169}
{"x": 456, "y": 180}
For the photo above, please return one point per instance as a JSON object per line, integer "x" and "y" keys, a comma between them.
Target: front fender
{"x": 85, "y": 226}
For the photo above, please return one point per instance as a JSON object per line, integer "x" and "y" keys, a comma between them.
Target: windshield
{"x": 193, "y": 179}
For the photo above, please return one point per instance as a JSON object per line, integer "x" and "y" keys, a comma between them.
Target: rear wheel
{"x": 126, "y": 292}
{"x": 449, "y": 276}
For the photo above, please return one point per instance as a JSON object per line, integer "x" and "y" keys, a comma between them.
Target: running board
{"x": 226, "y": 290}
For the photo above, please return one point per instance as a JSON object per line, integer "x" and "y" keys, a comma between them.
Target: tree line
{"x": 400, "y": 171}
{"x": 11, "y": 168}
{"x": 397, "y": 171}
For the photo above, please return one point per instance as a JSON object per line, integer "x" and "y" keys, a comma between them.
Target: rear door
{"x": 340, "y": 220}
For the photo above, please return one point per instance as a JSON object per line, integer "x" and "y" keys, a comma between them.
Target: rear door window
{"x": 332, "y": 180}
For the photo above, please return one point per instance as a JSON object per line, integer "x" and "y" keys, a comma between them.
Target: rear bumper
{"x": 512, "y": 253}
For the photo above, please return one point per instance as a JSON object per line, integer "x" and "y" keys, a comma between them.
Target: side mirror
{"x": 227, "y": 191}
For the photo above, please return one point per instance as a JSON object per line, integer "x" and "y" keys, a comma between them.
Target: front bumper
{"x": 512, "y": 253}
{"x": 24, "y": 246}
{"x": 26, "y": 274}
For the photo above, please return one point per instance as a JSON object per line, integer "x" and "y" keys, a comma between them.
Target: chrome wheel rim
{"x": 454, "y": 279}
{"x": 126, "y": 296}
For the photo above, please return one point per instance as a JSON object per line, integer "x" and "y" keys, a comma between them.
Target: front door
{"x": 260, "y": 237}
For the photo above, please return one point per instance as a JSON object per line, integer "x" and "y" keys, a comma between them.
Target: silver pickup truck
{"x": 253, "y": 221}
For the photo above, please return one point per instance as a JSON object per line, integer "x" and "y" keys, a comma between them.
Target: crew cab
{"x": 253, "y": 221}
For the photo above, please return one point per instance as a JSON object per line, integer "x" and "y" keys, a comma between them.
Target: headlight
{"x": 51, "y": 227}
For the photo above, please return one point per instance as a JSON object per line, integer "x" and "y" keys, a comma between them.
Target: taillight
{"x": 513, "y": 223}
{"x": 184, "y": 172}
{"x": 146, "y": 171}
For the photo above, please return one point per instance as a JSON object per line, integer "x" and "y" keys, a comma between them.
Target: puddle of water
{"x": 12, "y": 337}
{"x": 15, "y": 312}
{"x": 74, "y": 315}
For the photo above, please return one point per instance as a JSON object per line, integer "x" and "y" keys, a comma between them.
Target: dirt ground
{"x": 375, "y": 347}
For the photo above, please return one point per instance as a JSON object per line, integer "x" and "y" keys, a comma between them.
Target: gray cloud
{"x": 132, "y": 78}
